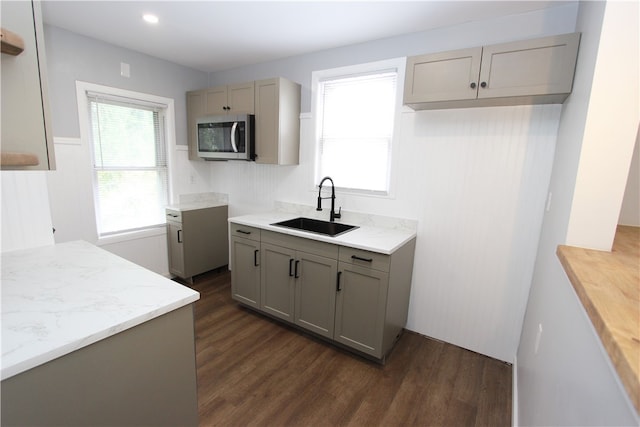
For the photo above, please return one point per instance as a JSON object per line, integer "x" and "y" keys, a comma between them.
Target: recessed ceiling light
{"x": 152, "y": 19}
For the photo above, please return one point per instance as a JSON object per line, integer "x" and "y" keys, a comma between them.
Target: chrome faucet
{"x": 332, "y": 214}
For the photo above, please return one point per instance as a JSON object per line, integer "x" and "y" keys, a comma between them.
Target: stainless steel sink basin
{"x": 316, "y": 226}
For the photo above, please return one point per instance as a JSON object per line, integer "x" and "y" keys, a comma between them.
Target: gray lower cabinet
{"x": 245, "y": 265}
{"x": 359, "y": 299}
{"x": 197, "y": 240}
{"x": 360, "y": 308}
{"x": 145, "y": 375}
{"x": 176, "y": 248}
{"x": 297, "y": 281}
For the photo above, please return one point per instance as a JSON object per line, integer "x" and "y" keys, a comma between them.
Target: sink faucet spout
{"x": 332, "y": 215}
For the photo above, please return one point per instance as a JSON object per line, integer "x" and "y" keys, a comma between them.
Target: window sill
{"x": 133, "y": 235}
{"x": 607, "y": 286}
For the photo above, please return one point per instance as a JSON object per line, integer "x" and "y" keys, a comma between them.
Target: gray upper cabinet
{"x": 196, "y": 108}
{"x": 26, "y": 137}
{"x": 231, "y": 99}
{"x": 276, "y": 105}
{"x": 277, "y": 121}
{"x": 443, "y": 76}
{"x": 536, "y": 71}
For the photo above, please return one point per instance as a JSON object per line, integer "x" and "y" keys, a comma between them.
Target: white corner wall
{"x": 630, "y": 211}
{"x": 610, "y": 130}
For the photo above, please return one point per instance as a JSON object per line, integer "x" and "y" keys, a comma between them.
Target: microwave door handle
{"x": 233, "y": 137}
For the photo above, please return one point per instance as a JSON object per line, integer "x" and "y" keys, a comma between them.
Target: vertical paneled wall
{"x": 481, "y": 178}
{"x": 26, "y": 219}
{"x": 476, "y": 180}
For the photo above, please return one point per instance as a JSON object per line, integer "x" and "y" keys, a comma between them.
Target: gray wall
{"x": 72, "y": 57}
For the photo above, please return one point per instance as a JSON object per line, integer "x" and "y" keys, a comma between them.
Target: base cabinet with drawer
{"x": 357, "y": 299}
{"x": 245, "y": 264}
{"x": 197, "y": 240}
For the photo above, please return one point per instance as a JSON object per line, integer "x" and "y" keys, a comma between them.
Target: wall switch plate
{"x": 125, "y": 70}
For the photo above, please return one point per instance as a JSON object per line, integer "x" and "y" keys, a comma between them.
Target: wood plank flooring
{"x": 253, "y": 370}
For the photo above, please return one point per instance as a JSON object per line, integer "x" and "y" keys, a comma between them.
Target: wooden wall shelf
{"x": 12, "y": 43}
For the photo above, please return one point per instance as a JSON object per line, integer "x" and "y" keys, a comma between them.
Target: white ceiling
{"x": 218, "y": 35}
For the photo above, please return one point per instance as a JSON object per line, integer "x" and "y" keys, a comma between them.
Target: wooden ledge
{"x": 11, "y": 43}
{"x": 608, "y": 285}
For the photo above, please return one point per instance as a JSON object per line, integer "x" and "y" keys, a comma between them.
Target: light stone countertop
{"x": 189, "y": 206}
{"x": 60, "y": 298}
{"x": 384, "y": 240}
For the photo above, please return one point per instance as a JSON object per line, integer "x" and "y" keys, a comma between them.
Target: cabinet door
{"x": 196, "y": 105}
{"x": 26, "y": 134}
{"x": 245, "y": 273}
{"x": 267, "y": 109}
{"x": 360, "y": 308}
{"x": 176, "y": 249}
{"x": 531, "y": 67}
{"x": 240, "y": 98}
{"x": 444, "y": 76}
{"x": 315, "y": 293}
{"x": 277, "y": 281}
{"x": 216, "y": 100}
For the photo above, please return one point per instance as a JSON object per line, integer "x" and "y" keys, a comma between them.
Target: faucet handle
{"x": 339, "y": 214}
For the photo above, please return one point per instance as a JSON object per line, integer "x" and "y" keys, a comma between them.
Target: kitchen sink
{"x": 316, "y": 226}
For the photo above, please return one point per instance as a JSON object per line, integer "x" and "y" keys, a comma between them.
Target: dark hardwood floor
{"x": 253, "y": 370}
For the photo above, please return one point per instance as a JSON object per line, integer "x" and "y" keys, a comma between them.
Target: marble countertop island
{"x": 60, "y": 298}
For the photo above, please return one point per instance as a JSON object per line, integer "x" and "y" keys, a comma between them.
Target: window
{"x": 355, "y": 113}
{"x": 130, "y": 173}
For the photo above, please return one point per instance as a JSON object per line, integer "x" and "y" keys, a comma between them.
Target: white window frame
{"x": 82, "y": 89}
{"x": 398, "y": 64}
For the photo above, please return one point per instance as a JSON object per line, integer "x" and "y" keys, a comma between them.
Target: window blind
{"x": 357, "y": 119}
{"x": 130, "y": 164}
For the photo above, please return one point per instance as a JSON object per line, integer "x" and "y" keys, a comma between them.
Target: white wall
{"x": 610, "y": 131}
{"x": 26, "y": 219}
{"x": 630, "y": 211}
{"x": 475, "y": 179}
{"x": 570, "y": 379}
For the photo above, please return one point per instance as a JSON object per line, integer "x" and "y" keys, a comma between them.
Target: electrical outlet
{"x": 538, "y": 336}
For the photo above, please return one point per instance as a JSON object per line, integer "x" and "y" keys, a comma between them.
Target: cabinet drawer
{"x": 174, "y": 215}
{"x": 301, "y": 244}
{"x": 365, "y": 258}
{"x": 244, "y": 231}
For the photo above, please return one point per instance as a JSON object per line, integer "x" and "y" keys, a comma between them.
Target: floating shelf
{"x": 18, "y": 159}
{"x": 12, "y": 43}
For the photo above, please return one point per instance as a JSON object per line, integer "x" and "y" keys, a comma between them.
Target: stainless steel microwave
{"x": 227, "y": 137}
